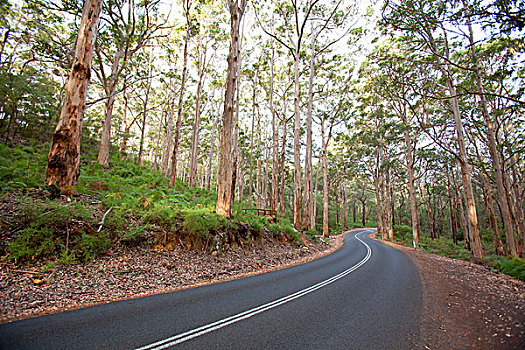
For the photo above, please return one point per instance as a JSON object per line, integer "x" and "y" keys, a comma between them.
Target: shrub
{"x": 513, "y": 267}
{"x": 134, "y": 236}
{"x": 33, "y": 244}
{"x": 284, "y": 225}
{"x": 92, "y": 245}
{"x": 202, "y": 221}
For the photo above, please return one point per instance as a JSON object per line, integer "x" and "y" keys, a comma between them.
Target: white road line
{"x": 182, "y": 337}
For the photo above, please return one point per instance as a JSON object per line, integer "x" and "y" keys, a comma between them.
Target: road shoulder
{"x": 466, "y": 305}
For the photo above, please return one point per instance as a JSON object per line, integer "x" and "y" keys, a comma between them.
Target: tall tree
{"x": 63, "y": 167}
{"x": 224, "y": 183}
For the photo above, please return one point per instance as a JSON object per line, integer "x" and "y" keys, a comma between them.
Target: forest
{"x": 120, "y": 116}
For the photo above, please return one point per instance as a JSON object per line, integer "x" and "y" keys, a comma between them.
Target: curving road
{"x": 366, "y": 295}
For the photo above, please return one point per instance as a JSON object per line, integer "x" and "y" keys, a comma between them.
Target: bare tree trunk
{"x": 156, "y": 156}
{"x": 298, "y": 198}
{"x": 169, "y": 138}
{"x": 326, "y": 231}
{"x": 212, "y": 146}
{"x": 196, "y": 125}
{"x": 173, "y": 176}
{"x": 451, "y": 210}
{"x": 517, "y": 206}
{"x": 411, "y": 187}
{"x": 63, "y": 167}
{"x": 312, "y": 224}
{"x": 250, "y": 192}
{"x": 308, "y": 190}
{"x": 103, "y": 152}
{"x": 389, "y": 208}
{"x": 345, "y": 207}
{"x": 224, "y": 184}
{"x": 144, "y": 116}
{"x": 474, "y": 236}
{"x": 283, "y": 158}
{"x": 379, "y": 213}
{"x": 275, "y": 148}
{"x": 235, "y": 149}
{"x": 493, "y": 221}
{"x": 494, "y": 154}
{"x": 363, "y": 213}
{"x": 259, "y": 167}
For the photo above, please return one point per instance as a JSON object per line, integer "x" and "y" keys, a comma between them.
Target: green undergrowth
{"x": 136, "y": 205}
{"x": 45, "y": 229}
{"x": 445, "y": 246}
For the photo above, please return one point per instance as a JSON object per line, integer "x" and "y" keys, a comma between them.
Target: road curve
{"x": 366, "y": 295}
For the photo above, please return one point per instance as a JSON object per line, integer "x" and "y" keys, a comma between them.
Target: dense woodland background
{"x": 405, "y": 115}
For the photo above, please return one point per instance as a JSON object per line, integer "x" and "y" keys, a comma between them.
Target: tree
{"x": 224, "y": 183}
{"x": 63, "y": 167}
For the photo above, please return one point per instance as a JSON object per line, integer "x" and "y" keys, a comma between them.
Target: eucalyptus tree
{"x": 190, "y": 30}
{"x": 126, "y": 27}
{"x": 63, "y": 167}
{"x": 391, "y": 70}
{"x": 426, "y": 21}
{"x": 36, "y": 49}
{"x": 224, "y": 183}
{"x": 336, "y": 109}
{"x": 209, "y": 34}
{"x": 294, "y": 17}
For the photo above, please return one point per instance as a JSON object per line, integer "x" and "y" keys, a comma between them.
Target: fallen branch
{"x": 104, "y": 220}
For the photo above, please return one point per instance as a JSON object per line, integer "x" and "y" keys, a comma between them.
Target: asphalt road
{"x": 366, "y": 295}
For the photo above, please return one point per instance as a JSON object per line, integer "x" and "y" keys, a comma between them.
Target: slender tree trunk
{"x": 312, "y": 224}
{"x": 517, "y": 206}
{"x": 196, "y": 125}
{"x": 212, "y": 146}
{"x": 345, "y": 206}
{"x": 169, "y": 138}
{"x": 235, "y": 150}
{"x": 411, "y": 186}
{"x": 250, "y": 191}
{"x": 283, "y": 158}
{"x": 63, "y": 167}
{"x": 298, "y": 198}
{"x": 275, "y": 140}
{"x": 144, "y": 117}
{"x": 326, "y": 231}
{"x": 176, "y": 141}
{"x": 363, "y": 218}
{"x": 157, "y": 144}
{"x": 451, "y": 210}
{"x": 493, "y": 221}
{"x": 389, "y": 208}
{"x": 103, "y": 151}
{"x": 224, "y": 183}
{"x": 472, "y": 216}
{"x": 494, "y": 154}
{"x": 379, "y": 214}
{"x": 308, "y": 190}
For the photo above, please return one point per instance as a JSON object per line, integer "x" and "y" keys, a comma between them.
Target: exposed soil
{"x": 466, "y": 306}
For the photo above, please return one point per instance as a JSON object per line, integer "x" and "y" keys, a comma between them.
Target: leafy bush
{"x": 92, "y": 245}
{"x": 162, "y": 215}
{"x": 202, "y": 221}
{"x": 513, "y": 267}
{"x": 284, "y": 225}
{"x": 134, "y": 236}
{"x": 402, "y": 233}
{"x": 33, "y": 244}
